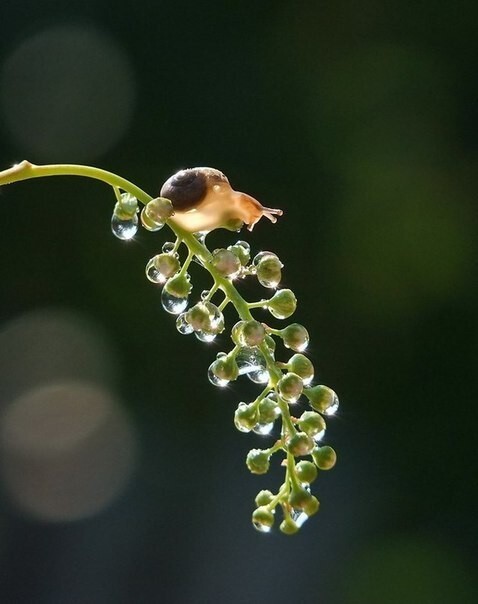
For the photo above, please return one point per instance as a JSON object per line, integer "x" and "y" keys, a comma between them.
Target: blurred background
{"x": 122, "y": 476}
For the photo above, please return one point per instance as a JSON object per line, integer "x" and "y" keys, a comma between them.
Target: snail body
{"x": 203, "y": 200}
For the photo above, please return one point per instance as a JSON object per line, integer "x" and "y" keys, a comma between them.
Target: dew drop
{"x": 124, "y": 229}
{"x": 153, "y": 274}
{"x": 252, "y": 363}
{"x": 173, "y": 304}
{"x": 244, "y": 244}
{"x": 299, "y": 516}
{"x": 262, "y": 528}
{"x": 168, "y": 247}
{"x": 263, "y": 429}
{"x": 204, "y": 294}
{"x": 221, "y": 355}
{"x": 182, "y": 325}
{"x": 148, "y": 223}
{"x": 205, "y": 336}
{"x": 332, "y": 408}
{"x": 319, "y": 436}
{"x": 261, "y": 255}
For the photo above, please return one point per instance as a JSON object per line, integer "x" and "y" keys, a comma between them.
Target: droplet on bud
{"x": 124, "y": 229}
{"x": 214, "y": 379}
{"x": 148, "y": 223}
{"x": 173, "y": 304}
{"x": 182, "y": 325}
{"x": 263, "y": 429}
{"x": 168, "y": 247}
{"x": 251, "y": 362}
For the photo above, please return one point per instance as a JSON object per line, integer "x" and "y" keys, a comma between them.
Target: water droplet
{"x": 153, "y": 274}
{"x": 148, "y": 223}
{"x": 201, "y": 236}
{"x": 319, "y": 436}
{"x": 251, "y": 362}
{"x": 221, "y": 355}
{"x": 204, "y": 294}
{"x": 173, "y": 304}
{"x": 124, "y": 229}
{"x": 205, "y": 336}
{"x": 244, "y": 244}
{"x": 332, "y": 409}
{"x": 216, "y": 381}
{"x": 299, "y": 516}
{"x": 182, "y": 325}
{"x": 263, "y": 429}
{"x": 261, "y": 255}
{"x": 168, "y": 247}
{"x": 262, "y": 528}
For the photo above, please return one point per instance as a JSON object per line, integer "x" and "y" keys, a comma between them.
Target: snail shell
{"x": 204, "y": 200}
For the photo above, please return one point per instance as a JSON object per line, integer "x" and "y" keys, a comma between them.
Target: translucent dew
{"x": 148, "y": 223}
{"x": 299, "y": 517}
{"x": 124, "y": 229}
{"x": 262, "y": 528}
{"x": 333, "y": 407}
{"x": 173, "y": 304}
{"x": 205, "y": 336}
{"x": 153, "y": 274}
{"x": 263, "y": 429}
{"x": 215, "y": 380}
{"x": 168, "y": 247}
{"x": 251, "y": 362}
{"x": 319, "y": 436}
{"x": 182, "y": 325}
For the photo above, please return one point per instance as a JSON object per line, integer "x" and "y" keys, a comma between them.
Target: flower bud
{"x": 161, "y": 267}
{"x": 264, "y": 498}
{"x": 268, "y": 410}
{"x": 159, "y": 210}
{"x": 290, "y": 387}
{"x": 226, "y": 262}
{"x": 127, "y": 207}
{"x": 178, "y": 286}
{"x": 258, "y": 461}
{"x": 323, "y": 399}
{"x": 311, "y": 507}
{"x": 311, "y": 423}
{"x": 300, "y": 444}
{"x": 242, "y": 250}
{"x": 295, "y": 336}
{"x": 306, "y": 471}
{"x": 288, "y": 526}
{"x": 271, "y": 343}
{"x": 300, "y": 365}
{"x": 299, "y": 498}
{"x": 246, "y": 417}
{"x": 324, "y": 457}
{"x": 225, "y": 368}
{"x": 268, "y": 271}
{"x": 252, "y": 333}
{"x": 282, "y": 304}
{"x": 198, "y": 317}
{"x": 263, "y": 519}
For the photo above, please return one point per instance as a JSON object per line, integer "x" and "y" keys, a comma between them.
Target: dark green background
{"x": 359, "y": 120}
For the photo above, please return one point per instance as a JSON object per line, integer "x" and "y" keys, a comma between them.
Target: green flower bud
{"x": 301, "y": 365}
{"x": 295, "y": 336}
{"x": 252, "y": 333}
{"x": 246, "y": 417}
{"x": 242, "y": 250}
{"x": 264, "y": 498}
{"x": 282, "y": 304}
{"x": 263, "y": 519}
{"x": 306, "y": 471}
{"x": 288, "y": 526}
{"x": 226, "y": 262}
{"x": 290, "y": 387}
{"x": 268, "y": 410}
{"x": 299, "y": 498}
{"x": 323, "y": 399}
{"x": 179, "y": 286}
{"x": 199, "y": 317}
{"x": 225, "y": 368}
{"x": 159, "y": 210}
{"x": 167, "y": 264}
{"x": 258, "y": 461}
{"x": 300, "y": 444}
{"x": 324, "y": 457}
{"x": 311, "y": 507}
{"x": 311, "y": 423}
{"x": 127, "y": 207}
{"x": 269, "y": 272}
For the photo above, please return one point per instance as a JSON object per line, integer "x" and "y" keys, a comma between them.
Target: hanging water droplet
{"x": 251, "y": 362}
{"x": 168, "y": 247}
{"x": 263, "y": 429}
{"x": 319, "y": 436}
{"x": 299, "y": 516}
{"x": 332, "y": 409}
{"x": 204, "y": 294}
{"x": 148, "y": 223}
{"x": 205, "y": 336}
{"x": 262, "y": 255}
{"x": 153, "y": 274}
{"x": 173, "y": 304}
{"x": 216, "y": 381}
{"x": 201, "y": 236}
{"x": 124, "y": 229}
{"x": 182, "y": 325}
{"x": 244, "y": 244}
{"x": 221, "y": 355}
{"x": 262, "y": 528}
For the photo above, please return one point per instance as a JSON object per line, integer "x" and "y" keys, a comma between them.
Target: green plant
{"x": 192, "y": 203}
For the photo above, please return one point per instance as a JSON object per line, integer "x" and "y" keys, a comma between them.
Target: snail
{"x": 204, "y": 200}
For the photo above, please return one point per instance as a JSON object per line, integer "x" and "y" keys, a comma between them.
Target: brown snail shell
{"x": 204, "y": 200}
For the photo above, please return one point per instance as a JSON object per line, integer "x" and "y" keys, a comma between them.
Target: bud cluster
{"x": 287, "y": 385}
